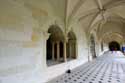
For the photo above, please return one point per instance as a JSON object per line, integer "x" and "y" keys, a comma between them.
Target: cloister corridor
{"x": 62, "y": 41}
{"x": 108, "y": 68}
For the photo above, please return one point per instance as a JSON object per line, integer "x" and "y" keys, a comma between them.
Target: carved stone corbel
{"x": 46, "y": 35}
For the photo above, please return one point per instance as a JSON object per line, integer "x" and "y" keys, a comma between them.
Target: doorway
{"x": 114, "y": 46}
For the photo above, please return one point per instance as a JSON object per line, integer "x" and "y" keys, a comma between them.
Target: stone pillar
{"x": 65, "y": 48}
{"x": 53, "y": 51}
{"x": 75, "y": 51}
{"x": 70, "y": 49}
{"x": 58, "y": 51}
{"x": 64, "y": 51}
{"x": 44, "y": 37}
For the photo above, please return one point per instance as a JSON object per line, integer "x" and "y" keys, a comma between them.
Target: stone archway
{"x": 114, "y": 46}
{"x": 71, "y": 46}
{"x": 92, "y": 47}
{"x": 54, "y": 46}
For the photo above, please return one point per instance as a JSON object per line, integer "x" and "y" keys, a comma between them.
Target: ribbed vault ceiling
{"x": 91, "y": 14}
{"x": 107, "y": 15}
{"x": 107, "y": 38}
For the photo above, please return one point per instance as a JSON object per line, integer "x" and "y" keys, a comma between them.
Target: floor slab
{"x": 108, "y": 68}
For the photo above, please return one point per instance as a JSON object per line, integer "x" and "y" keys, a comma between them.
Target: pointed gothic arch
{"x": 54, "y": 46}
{"x": 71, "y": 46}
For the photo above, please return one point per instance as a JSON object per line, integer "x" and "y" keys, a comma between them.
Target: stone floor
{"x": 109, "y": 68}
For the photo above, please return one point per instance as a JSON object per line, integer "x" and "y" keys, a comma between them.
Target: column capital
{"x": 53, "y": 42}
{"x": 72, "y": 41}
{"x": 39, "y": 35}
{"x": 65, "y": 38}
{"x": 57, "y": 42}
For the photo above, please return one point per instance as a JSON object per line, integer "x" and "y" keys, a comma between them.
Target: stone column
{"x": 42, "y": 59}
{"x": 64, "y": 51}
{"x": 70, "y": 50}
{"x": 53, "y": 51}
{"x": 58, "y": 51}
{"x": 75, "y": 54}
